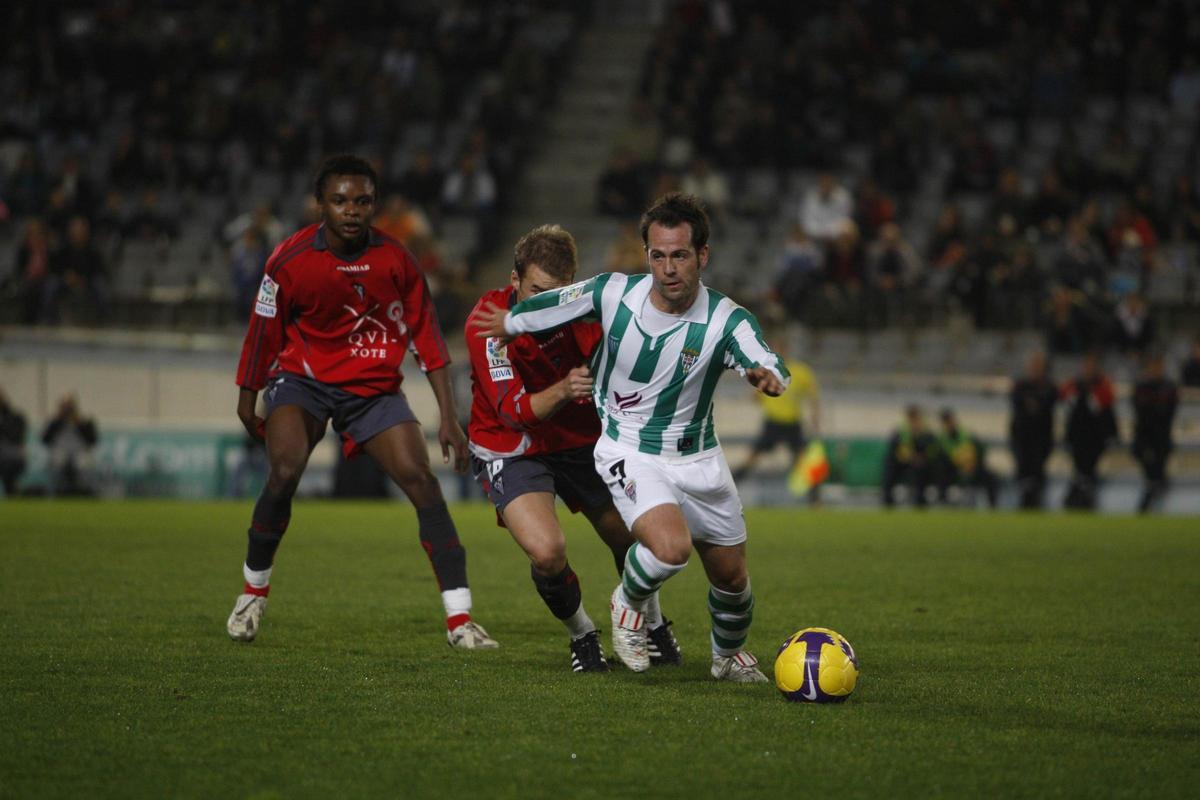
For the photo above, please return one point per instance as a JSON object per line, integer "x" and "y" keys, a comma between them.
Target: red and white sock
{"x": 257, "y": 581}
{"x": 458, "y": 607}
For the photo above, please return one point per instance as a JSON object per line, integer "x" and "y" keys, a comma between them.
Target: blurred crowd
{"x": 127, "y": 121}
{"x": 1016, "y": 164}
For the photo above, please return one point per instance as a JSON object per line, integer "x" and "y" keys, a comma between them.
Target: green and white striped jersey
{"x": 654, "y": 393}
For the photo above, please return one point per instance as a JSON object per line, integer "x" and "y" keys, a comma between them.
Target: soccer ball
{"x": 816, "y": 665}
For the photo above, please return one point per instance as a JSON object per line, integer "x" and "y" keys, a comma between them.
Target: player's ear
{"x": 515, "y": 280}
{"x": 702, "y": 256}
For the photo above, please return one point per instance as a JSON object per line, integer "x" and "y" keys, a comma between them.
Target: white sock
{"x": 579, "y": 624}
{"x": 259, "y": 579}
{"x": 653, "y": 613}
{"x": 457, "y": 601}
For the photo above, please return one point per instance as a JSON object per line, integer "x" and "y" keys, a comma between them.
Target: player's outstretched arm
{"x": 488, "y": 322}
{"x": 543, "y": 311}
{"x": 450, "y": 432}
{"x": 254, "y": 424}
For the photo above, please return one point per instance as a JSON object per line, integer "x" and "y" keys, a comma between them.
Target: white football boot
{"x": 246, "y": 618}
{"x": 741, "y": 667}
{"x": 629, "y": 634}
{"x": 471, "y": 636}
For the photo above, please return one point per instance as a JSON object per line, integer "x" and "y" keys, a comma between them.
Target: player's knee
{"x": 733, "y": 583}
{"x": 283, "y": 478}
{"x": 673, "y": 553}
{"x": 549, "y": 559}
{"x": 419, "y": 484}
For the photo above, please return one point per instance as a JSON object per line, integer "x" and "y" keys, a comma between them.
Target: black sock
{"x": 267, "y": 526}
{"x": 439, "y": 537}
{"x": 560, "y": 592}
{"x": 618, "y": 554}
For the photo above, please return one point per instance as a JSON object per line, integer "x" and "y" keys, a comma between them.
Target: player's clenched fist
{"x": 578, "y": 384}
{"x": 765, "y": 381}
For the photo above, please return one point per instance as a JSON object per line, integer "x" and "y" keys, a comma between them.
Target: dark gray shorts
{"x": 570, "y": 474}
{"x": 355, "y": 418}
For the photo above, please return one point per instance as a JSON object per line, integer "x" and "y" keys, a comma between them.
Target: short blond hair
{"x": 551, "y": 247}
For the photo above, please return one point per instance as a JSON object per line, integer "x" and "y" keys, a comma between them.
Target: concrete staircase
{"x": 559, "y": 185}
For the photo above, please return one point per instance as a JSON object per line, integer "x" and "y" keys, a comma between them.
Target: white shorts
{"x": 702, "y": 488}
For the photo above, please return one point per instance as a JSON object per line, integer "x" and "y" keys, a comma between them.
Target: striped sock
{"x": 258, "y": 581}
{"x": 731, "y": 614}
{"x": 644, "y": 573}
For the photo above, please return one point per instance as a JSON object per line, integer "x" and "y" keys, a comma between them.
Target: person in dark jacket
{"x": 12, "y": 446}
{"x": 69, "y": 437}
{"x": 1155, "y": 399}
{"x": 1031, "y": 429}
{"x": 1091, "y": 425}
{"x": 910, "y": 458}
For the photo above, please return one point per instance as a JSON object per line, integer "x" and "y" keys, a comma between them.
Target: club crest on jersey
{"x": 688, "y": 359}
{"x": 497, "y": 352}
{"x": 570, "y": 293}
{"x": 265, "y": 305}
{"x": 358, "y": 287}
{"x": 631, "y": 490}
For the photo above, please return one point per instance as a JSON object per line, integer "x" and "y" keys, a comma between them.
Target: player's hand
{"x": 765, "y": 381}
{"x": 489, "y": 322}
{"x": 577, "y": 385}
{"x": 255, "y": 425}
{"x": 452, "y": 438}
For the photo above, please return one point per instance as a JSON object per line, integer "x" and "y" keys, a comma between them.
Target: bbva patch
{"x": 497, "y": 352}
{"x": 265, "y": 305}
{"x": 501, "y": 373}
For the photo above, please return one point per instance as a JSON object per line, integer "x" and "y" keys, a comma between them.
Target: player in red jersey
{"x": 532, "y": 431}
{"x": 338, "y": 306}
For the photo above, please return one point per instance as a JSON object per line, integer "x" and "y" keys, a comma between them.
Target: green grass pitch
{"x": 1003, "y": 655}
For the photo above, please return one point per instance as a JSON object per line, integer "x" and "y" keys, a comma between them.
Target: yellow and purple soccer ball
{"x": 816, "y": 665}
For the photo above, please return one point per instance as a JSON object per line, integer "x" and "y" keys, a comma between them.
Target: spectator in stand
{"x": 31, "y": 272}
{"x": 470, "y": 190}
{"x": 1155, "y": 400}
{"x": 844, "y": 271}
{"x": 403, "y": 221}
{"x": 1091, "y": 426}
{"x": 711, "y": 187}
{"x": 909, "y": 460}
{"x": 263, "y": 218}
{"x": 1080, "y": 263}
{"x": 893, "y": 269}
{"x": 621, "y": 192}
{"x": 422, "y": 184}
{"x": 892, "y": 164}
{"x": 873, "y": 208}
{"x": 1133, "y": 328}
{"x": 1189, "y": 371}
{"x": 627, "y": 253}
{"x": 800, "y": 270}
{"x": 1031, "y": 429}
{"x": 1132, "y": 236}
{"x": 826, "y": 209}
{"x": 247, "y": 260}
{"x": 78, "y": 270}
{"x": 70, "y": 437}
{"x": 1053, "y": 204}
{"x": 12, "y": 446}
{"x": 1070, "y": 329}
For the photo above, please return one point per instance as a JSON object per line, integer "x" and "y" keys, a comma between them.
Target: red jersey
{"x": 344, "y": 322}
{"x": 503, "y": 377}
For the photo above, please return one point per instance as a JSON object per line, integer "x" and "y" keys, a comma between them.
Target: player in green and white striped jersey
{"x": 668, "y": 338}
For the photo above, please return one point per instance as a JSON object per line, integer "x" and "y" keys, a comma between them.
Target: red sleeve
{"x": 425, "y": 335}
{"x": 587, "y": 336}
{"x": 498, "y": 380}
{"x": 264, "y": 337}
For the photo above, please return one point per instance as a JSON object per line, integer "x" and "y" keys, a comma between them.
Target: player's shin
{"x": 731, "y": 613}
{"x": 448, "y": 557}
{"x": 267, "y": 526}
{"x": 643, "y": 575}
{"x": 562, "y": 595}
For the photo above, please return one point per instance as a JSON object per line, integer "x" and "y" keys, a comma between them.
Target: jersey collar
{"x": 319, "y": 242}
{"x": 639, "y": 295}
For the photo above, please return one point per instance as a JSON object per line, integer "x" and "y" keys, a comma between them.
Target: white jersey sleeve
{"x": 558, "y": 306}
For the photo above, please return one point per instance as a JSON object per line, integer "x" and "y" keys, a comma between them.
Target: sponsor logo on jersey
{"x": 688, "y": 359}
{"x": 265, "y": 306}
{"x": 497, "y": 352}
{"x": 501, "y": 373}
{"x": 354, "y": 268}
{"x": 358, "y": 287}
{"x": 369, "y": 337}
{"x": 570, "y": 293}
{"x": 627, "y": 401}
